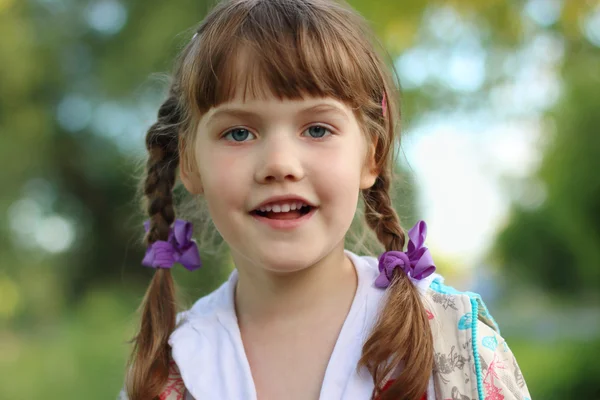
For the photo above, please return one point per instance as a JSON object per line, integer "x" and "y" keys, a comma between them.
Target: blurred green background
{"x": 80, "y": 81}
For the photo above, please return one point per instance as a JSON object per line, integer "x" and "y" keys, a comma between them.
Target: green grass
{"x": 80, "y": 357}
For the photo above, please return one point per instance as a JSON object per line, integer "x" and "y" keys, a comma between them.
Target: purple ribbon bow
{"x": 416, "y": 262}
{"x": 179, "y": 248}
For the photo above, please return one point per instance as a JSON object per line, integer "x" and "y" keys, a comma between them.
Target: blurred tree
{"x": 557, "y": 244}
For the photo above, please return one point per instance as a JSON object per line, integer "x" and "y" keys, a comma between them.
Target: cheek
{"x": 339, "y": 176}
{"x": 223, "y": 178}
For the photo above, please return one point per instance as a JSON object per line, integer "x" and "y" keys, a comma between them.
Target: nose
{"x": 280, "y": 161}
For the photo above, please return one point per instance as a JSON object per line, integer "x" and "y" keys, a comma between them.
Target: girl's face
{"x": 281, "y": 177}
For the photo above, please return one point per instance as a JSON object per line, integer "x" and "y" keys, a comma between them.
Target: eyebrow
{"x": 244, "y": 114}
{"x": 324, "y": 108}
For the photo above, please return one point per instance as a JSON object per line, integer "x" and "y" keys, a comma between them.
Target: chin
{"x": 286, "y": 259}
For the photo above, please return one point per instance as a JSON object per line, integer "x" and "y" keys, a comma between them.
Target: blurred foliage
{"x": 558, "y": 243}
{"x": 81, "y": 80}
{"x": 565, "y": 370}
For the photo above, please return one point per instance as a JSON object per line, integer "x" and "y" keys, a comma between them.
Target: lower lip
{"x": 285, "y": 224}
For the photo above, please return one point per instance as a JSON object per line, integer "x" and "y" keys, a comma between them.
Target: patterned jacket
{"x": 471, "y": 360}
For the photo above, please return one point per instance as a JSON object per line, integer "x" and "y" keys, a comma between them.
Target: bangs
{"x": 287, "y": 49}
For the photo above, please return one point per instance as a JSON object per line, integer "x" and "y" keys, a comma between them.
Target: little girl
{"x": 282, "y": 116}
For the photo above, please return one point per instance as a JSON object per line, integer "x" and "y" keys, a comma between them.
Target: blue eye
{"x": 317, "y": 131}
{"x": 238, "y": 135}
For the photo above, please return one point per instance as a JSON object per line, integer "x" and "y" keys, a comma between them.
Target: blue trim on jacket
{"x": 478, "y": 310}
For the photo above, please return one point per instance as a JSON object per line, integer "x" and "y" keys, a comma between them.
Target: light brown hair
{"x": 294, "y": 49}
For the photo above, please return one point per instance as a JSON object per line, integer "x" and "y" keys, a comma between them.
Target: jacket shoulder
{"x": 471, "y": 358}
{"x": 446, "y": 298}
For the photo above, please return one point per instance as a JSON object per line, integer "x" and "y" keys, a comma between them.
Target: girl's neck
{"x": 264, "y": 297}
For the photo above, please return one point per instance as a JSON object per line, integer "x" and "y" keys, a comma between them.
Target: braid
{"x": 381, "y": 216}
{"x": 149, "y": 361}
{"x": 402, "y": 336}
{"x": 163, "y": 148}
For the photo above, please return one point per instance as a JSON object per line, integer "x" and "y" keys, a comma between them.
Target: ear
{"x": 369, "y": 172}
{"x": 188, "y": 171}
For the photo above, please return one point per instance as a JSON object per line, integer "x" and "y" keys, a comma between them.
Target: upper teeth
{"x": 283, "y": 207}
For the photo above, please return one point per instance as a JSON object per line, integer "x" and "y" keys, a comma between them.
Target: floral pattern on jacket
{"x": 471, "y": 360}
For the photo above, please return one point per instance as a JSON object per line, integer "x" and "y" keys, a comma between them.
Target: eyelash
{"x": 228, "y": 134}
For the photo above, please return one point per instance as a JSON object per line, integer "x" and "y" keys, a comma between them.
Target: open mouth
{"x": 283, "y": 211}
